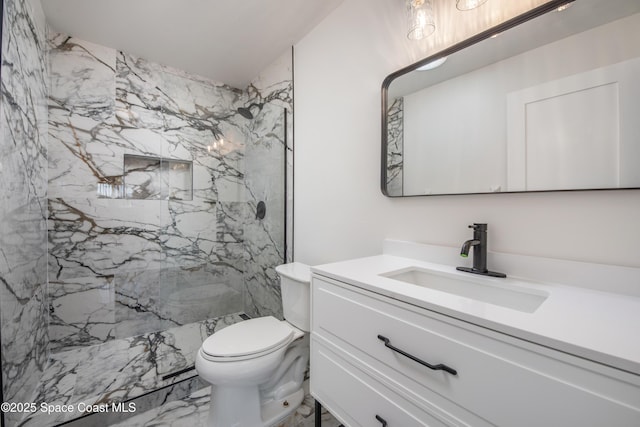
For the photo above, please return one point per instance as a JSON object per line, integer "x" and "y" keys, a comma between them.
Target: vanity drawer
{"x": 498, "y": 378}
{"x": 356, "y": 397}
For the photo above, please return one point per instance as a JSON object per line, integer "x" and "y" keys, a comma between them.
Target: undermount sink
{"x": 526, "y": 301}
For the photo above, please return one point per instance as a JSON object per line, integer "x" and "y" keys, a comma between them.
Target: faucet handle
{"x": 479, "y": 226}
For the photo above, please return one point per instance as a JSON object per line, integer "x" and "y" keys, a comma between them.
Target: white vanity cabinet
{"x": 485, "y": 378}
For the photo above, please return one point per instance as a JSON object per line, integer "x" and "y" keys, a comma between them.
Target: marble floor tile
{"x": 147, "y": 402}
{"x": 193, "y": 410}
{"x": 122, "y": 369}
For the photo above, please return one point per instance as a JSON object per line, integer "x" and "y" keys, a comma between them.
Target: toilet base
{"x": 271, "y": 412}
{"x": 277, "y": 410}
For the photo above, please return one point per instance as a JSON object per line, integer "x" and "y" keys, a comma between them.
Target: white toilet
{"x": 256, "y": 367}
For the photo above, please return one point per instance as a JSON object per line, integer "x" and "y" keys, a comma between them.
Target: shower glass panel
{"x": 23, "y": 207}
{"x": 142, "y": 209}
{"x": 264, "y": 239}
{"x": 149, "y": 210}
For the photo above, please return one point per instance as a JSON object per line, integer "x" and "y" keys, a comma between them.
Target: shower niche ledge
{"x": 150, "y": 178}
{"x": 391, "y": 347}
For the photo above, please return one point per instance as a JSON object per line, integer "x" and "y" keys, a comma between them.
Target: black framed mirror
{"x": 547, "y": 101}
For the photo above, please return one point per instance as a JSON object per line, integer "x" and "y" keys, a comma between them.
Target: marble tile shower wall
{"x": 269, "y": 151}
{"x": 119, "y": 267}
{"x": 23, "y": 208}
{"x": 395, "y": 147}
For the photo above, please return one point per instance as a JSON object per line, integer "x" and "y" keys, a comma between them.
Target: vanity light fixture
{"x": 432, "y": 64}
{"x": 420, "y": 22}
{"x": 469, "y": 4}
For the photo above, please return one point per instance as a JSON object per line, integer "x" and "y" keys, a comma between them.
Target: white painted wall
{"x": 340, "y": 212}
{"x": 442, "y": 138}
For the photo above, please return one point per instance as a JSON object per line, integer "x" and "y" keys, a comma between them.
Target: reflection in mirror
{"x": 550, "y": 104}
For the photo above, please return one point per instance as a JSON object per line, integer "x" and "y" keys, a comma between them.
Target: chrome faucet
{"x": 479, "y": 243}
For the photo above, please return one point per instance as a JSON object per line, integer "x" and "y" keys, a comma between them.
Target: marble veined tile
{"x": 264, "y": 241}
{"x": 142, "y": 178}
{"x": 395, "y": 147}
{"x": 193, "y": 410}
{"x": 23, "y": 245}
{"x": 274, "y": 86}
{"x": 192, "y": 302}
{"x": 125, "y": 368}
{"x": 190, "y": 228}
{"x": 184, "y": 296}
{"x": 177, "y": 179}
{"x": 24, "y": 66}
{"x": 142, "y": 404}
{"x": 121, "y": 369}
{"x": 82, "y": 77}
{"x": 228, "y": 264}
{"x": 85, "y": 153}
{"x": 230, "y": 220}
{"x": 24, "y": 338}
{"x": 56, "y": 387}
{"x": 23, "y": 171}
{"x": 156, "y": 178}
{"x": 103, "y": 237}
{"x": 172, "y": 263}
{"x": 81, "y": 155}
{"x": 82, "y": 312}
{"x": 23, "y": 151}
{"x": 217, "y": 153}
{"x": 163, "y": 113}
{"x": 139, "y": 97}
{"x": 139, "y": 248}
{"x": 194, "y": 100}
{"x": 262, "y": 284}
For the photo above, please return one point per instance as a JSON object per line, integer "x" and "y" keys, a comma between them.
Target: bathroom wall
{"x": 340, "y": 212}
{"x": 132, "y": 250}
{"x": 127, "y": 257}
{"x": 23, "y": 194}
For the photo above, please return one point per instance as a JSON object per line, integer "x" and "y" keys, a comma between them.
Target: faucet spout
{"x": 464, "y": 252}
{"x": 479, "y": 243}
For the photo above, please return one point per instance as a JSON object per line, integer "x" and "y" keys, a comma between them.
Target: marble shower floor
{"x": 121, "y": 370}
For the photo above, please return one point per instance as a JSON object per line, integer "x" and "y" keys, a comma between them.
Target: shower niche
{"x": 155, "y": 178}
{"x": 150, "y": 178}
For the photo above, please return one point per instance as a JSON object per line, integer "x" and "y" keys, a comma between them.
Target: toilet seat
{"x": 248, "y": 339}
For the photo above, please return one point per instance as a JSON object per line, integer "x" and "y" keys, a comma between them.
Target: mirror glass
{"x": 550, "y": 104}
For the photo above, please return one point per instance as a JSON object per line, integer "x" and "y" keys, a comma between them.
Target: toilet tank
{"x": 295, "y": 287}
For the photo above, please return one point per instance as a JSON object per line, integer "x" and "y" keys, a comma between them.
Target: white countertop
{"x": 596, "y": 325}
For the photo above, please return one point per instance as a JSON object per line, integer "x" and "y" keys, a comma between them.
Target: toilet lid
{"x": 248, "y": 337}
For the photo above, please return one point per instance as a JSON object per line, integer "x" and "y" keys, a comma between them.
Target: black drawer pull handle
{"x": 439, "y": 367}
{"x": 382, "y": 421}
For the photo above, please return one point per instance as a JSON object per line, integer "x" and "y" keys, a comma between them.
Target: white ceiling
{"x": 229, "y": 41}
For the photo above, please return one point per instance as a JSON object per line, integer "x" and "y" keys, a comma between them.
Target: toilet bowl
{"x": 256, "y": 367}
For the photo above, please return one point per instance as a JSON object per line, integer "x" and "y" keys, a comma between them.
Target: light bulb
{"x": 420, "y": 22}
